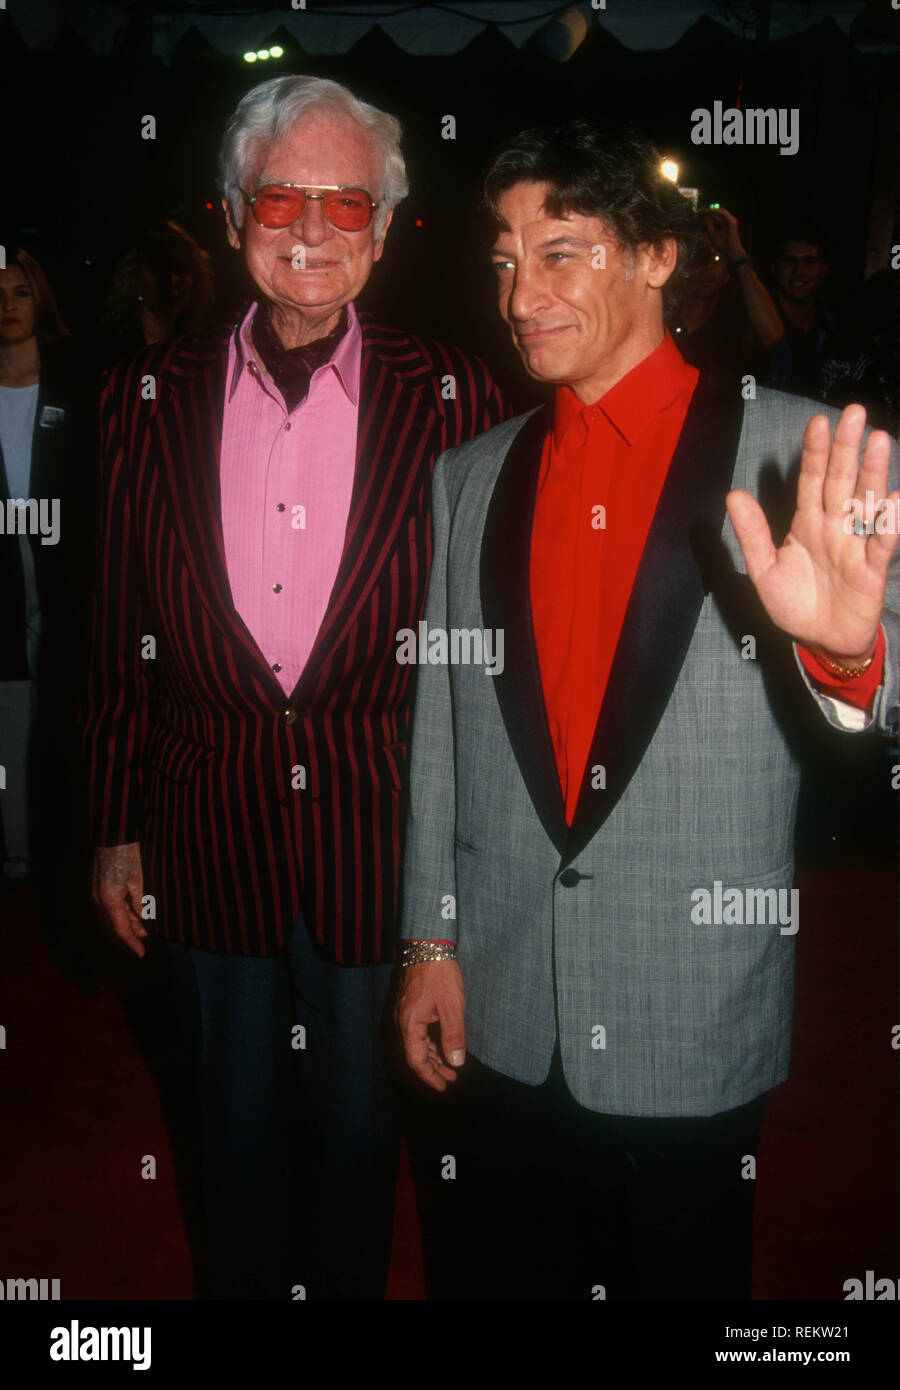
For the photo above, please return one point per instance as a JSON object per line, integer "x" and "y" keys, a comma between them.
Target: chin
{"x": 310, "y": 287}
{"x": 544, "y": 371}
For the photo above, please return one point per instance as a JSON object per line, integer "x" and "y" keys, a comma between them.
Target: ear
{"x": 231, "y": 231}
{"x": 661, "y": 261}
{"x": 379, "y": 245}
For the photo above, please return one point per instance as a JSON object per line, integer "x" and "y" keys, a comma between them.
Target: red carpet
{"x": 81, "y": 1112}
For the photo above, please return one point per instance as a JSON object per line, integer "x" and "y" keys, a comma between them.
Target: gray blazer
{"x": 665, "y": 1001}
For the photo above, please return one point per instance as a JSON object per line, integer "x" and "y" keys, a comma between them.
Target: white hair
{"x": 267, "y": 113}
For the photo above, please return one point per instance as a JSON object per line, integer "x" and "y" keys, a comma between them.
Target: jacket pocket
{"x": 395, "y": 756}
{"x": 175, "y": 758}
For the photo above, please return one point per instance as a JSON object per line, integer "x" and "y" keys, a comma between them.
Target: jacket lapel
{"x": 42, "y": 482}
{"x": 398, "y": 430}
{"x": 186, "y": 421}
{"x": 506, "y": 604}
{"x": 397, "y": 437}
{"x": 665, "y": 602}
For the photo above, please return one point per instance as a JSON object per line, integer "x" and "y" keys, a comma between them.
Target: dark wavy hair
{"x": 600, "y": 170}
{"x": 163, "y": 248}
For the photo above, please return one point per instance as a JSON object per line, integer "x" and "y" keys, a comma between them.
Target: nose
{"x": 312, "y": 224}
{"x": 527, "y": 295}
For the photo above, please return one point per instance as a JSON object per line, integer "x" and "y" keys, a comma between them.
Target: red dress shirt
{"x": 602, "y": 472}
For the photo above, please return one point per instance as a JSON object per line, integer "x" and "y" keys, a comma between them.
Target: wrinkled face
{"x": 17, "y": 313}
{"x": 331, "y": 266}
{"x": 579, "y": 305}
{"x": 799, "y": 270}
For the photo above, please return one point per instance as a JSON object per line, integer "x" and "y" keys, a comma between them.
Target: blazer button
{"x": 290, "y": 716}
{"x": 569, "y": 877}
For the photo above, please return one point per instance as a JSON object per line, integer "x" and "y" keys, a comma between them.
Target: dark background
{"x": 79, "y": 182}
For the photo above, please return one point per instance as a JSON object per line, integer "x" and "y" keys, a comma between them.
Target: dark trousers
{"x": 330, "y": 1101}
{"x": 527, "y": 1194}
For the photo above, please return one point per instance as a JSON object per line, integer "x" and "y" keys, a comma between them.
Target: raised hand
{"x": 825, "y": 585}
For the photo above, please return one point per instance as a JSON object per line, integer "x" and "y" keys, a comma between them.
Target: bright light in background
{"x": 262, "y": 54}
{"x": 669, "y": 170}
{"x": 277, "y": 51}
{"x": 249, "y": 57}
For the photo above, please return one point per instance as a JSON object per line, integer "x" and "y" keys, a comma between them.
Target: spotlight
{"x": 249, "y": 57}
{"x": 277, "y": 51}
{"x": 669, "y": 170}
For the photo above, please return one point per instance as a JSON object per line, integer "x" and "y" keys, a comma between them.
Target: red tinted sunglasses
{"x": 280, "y": 204}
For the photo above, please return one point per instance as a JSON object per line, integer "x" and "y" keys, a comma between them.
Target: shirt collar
{"x": 632, "y": 403}
{"x": 345, "y": 360}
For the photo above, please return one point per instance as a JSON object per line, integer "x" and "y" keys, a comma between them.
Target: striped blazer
{"x": 251, "y": 807}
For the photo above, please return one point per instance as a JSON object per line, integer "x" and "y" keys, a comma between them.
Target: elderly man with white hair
{"x": 266, "y": 533}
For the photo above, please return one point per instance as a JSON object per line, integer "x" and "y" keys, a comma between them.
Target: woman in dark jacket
{"x": 47, "y": 540}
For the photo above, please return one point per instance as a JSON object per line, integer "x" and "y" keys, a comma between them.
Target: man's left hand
{"x": 825, "y": 585}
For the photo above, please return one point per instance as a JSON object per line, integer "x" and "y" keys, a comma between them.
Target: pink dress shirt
{"x": 286, "y": 482}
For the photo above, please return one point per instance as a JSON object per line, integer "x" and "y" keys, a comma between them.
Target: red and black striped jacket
{"x": 250, "y": 807}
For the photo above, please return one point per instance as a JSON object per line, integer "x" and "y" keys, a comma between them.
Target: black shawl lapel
{"x": 665, "y": 601}
{"x": 506, "y": 604}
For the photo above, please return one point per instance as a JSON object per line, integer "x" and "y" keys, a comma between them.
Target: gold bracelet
{"x": 845, "y": 673}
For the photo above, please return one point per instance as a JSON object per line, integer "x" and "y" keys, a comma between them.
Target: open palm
{"x": 825, "y": 585}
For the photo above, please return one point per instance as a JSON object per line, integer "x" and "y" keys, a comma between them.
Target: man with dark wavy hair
{"x": 597, "y": 897}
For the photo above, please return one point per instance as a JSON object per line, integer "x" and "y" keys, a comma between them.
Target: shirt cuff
{"x": 858, "y": 692}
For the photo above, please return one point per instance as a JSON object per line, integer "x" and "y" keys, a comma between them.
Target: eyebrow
{"x": 552, "y": 242}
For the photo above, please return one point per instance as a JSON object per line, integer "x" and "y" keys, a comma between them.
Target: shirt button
{"x": 569, "y": 877}
{"x": 280, "y": 507}
{"x": 288, "y": 425}
{"x": 290, "y": 716}
{"x": 276, "y": 667}
{"x": 252, "y": 368}
{"x": 276, "y": 588}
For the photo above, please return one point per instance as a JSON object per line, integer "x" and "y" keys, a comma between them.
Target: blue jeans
{"x": 239, "y": 1015}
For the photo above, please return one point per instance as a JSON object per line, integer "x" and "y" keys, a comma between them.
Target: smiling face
{"x": 17, "y": 312}
{"x": 579, "y": 315}
{"x": 308, "y": 288}
{"x": 799, "y": 270}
